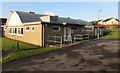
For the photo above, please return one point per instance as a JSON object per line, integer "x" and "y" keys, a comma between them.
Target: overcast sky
{"x": 78, "y": 10}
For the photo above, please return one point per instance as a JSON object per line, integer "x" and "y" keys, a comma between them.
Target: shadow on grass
{"x": 31, "y": 48}
{"x": 11, "y": 51}
{"x": 108, "y": 31}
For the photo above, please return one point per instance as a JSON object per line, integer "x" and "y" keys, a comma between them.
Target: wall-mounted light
{"x": 46, "y": 25}
{"x": 64, "y": 23}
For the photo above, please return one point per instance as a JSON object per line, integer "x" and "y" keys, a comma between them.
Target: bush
{"x": 107, "y": 31}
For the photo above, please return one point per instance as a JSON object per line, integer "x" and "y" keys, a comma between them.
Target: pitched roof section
{"x": 109, "y": 19}
{"x": 70, "y": 21}
{"x": 31, "y": 17}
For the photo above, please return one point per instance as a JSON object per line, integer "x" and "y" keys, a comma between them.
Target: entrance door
{"x": 67, "y": 34}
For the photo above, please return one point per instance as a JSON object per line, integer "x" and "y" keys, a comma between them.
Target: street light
{"x": 99, "y": 13}
{"x": 98, "y": 26}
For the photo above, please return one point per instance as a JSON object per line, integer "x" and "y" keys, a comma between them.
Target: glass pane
{"x": 32, "y": 28}
{"x": 21, "y": 30}
{"x": 27, "y": 28}
{"x": 15, "y": 30}
{"x": 55, "y": 28}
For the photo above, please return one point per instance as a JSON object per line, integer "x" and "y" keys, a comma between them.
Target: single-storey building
{"x": 36, "y": 28}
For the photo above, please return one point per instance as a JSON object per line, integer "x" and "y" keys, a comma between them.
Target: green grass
{"x": 112, "y": 35}
{"x": 8, "y": 44}
{"x": 26, "y": 53}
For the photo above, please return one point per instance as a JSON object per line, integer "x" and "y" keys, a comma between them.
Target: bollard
{"x": 12, "y": 48}
{"x": 18, "y": 45}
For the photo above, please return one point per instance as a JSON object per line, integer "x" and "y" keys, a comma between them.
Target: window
{"x": 12, "y": 30}
{"x": 56, "y": 28}
{"x": 5, "y": 28}
{"x": 27, "y": 29}
{"x": 15, "y": 30}
{"x": 33, "y": 28}
{"x": 88, "y": 28}
{"x": 20, "y": 31}
{"x": 9, "y": 30}
{"x": 75, "y": 29}
{"x": 82, "y": 30}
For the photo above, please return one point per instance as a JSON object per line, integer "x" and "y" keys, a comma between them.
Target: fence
{"x": 86, "y": 36}
{"x": 78, "y": 37}
{"x": 67, "y": 39}
{"x": 55, "y": 40}
{"x": 58, "y": 40}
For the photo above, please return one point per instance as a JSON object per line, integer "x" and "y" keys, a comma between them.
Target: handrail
{"x": 54, "y": 40}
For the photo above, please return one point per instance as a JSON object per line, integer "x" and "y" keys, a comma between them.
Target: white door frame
{"x": 67, "y": 34}
{"x": 96, "y": 31}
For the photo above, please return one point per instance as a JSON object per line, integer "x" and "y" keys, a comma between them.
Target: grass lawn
{"x": 8, "y": 44}
{"x": 21, "y": 53}
{"x": 26, "y": 53}
{"x": 112, "y": 35}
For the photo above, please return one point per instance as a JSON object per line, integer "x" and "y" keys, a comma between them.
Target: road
{"x": 93, "y": 56}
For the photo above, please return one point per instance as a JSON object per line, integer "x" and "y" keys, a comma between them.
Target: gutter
{"x": 43, "y": 36}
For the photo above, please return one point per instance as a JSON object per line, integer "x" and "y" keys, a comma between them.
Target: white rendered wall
{"x": 112, "y": 21}
{"x": 14, "y": 20}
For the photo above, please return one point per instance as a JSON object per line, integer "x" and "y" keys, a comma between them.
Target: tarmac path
{"x": 92, "y": 56}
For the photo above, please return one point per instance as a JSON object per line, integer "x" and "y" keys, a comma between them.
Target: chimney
{"x": 31, "y": 12}
{"x": 68, "y": 17}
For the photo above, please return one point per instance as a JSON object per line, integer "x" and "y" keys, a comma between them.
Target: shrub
{"x": 107, "y": 31}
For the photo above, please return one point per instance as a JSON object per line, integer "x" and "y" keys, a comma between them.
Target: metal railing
{"x": 60, "y": 40}
{"x": 67, "y": 38}
{"x": 78, "y": 37}
{"x": 55, "y": 40}
{"x": 86, "y": 36}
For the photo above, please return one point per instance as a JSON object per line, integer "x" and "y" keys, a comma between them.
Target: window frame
{"x": 32, "y": 29}
{"x": 88, "y": 29}
{"x": 9, "y": 30}
{"x": 19, "y": 29}
{"x": 75, "y": 27}
{"x": 13, "y": 31}
{"x": 26, "y": 29}
{"x": 5, "y": 28}
{"x": 83, "y": 29}
{"x": 56, "y": 30}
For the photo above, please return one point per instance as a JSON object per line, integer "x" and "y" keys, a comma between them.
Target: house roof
{"x": 29, "y": 17}
{"x": 72, "y": 21}
{"x": 32, "y": 17}
{"x": 95, "y": 22}
{"x": 109, "y": 19}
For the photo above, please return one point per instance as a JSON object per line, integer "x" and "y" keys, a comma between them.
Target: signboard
{"x": 98, "y": 26}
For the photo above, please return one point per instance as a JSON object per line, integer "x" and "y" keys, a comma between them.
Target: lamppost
{"x": 99, "y": 14}
{"x": 98, "y": 25}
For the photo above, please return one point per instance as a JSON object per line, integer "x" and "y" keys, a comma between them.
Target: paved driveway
{"x": 93, "y": 56}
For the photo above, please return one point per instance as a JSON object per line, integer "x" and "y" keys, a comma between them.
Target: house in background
{"x": 2, "y": 23}
{"x": 109, "y": 23}
{"x": 36, "y": 28}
